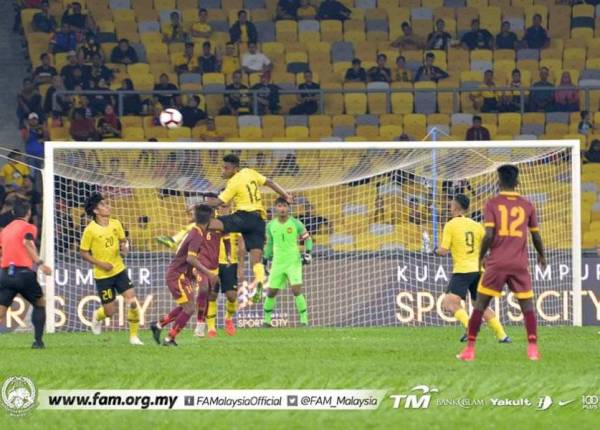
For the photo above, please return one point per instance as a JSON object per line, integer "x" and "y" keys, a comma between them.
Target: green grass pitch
{"x": 394, "y": 359}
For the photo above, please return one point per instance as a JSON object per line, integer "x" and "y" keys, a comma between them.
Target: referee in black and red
{"x": 19, "y": 254}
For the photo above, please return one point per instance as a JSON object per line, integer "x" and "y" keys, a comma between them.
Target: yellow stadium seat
{"x": 471, "y": 76}
{"x": 331, "y": 30}
{"x": 180, "y": 133}
{"x": 138, "y": 69}
{"x": 438, "y": 119}
{"x": 415, "y": 125}
{"x": 509, "y": 123}
{"x": 367, "y": 131}
{"x": 227, "y": 125}
{"x": 355, "y": 104}
{"x": 131, "y": 121}
{"x": 296, "y": 132}
{"x": 250, "y": 132}
{"x": 122, "y": 15}
{"x": 574, "y": 58}
{"x": 481, "y": 55}
{"x": 164, "y": 4}
{"x": 390, "y": 132}
{"x": 296, "y": 57}
{"x": 213, "y": 78}
{"x": 490, "y": 18}
{"x": 319, "y": 131}
{"x": 402, "y": 103}
{"x": 582, "y": 33}
{"x": 504, "y": 54}
{"x": 534, "y": 118}
{"x": 583, "y": 10}
{"x": 133, "y": 133}
{"x": 286, "y": 30}
{"x": 354, "y": 36}
{"x": 334, "y": 102}
{"x": 556, "y": 129}
{"x": 273, "y": 48}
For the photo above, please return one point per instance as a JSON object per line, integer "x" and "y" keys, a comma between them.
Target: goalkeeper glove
{"x": 306, "y": 258}
{"x": 265, "y": 263}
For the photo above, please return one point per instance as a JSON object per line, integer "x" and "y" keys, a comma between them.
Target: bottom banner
{"x": 210, "y": 399}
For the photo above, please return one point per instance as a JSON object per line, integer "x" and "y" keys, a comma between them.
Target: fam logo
{"x": 18, "y": 395}
{"x": 419, "y": 400}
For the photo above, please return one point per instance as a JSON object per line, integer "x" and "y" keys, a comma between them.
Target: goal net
{"x": 375, "y": 213}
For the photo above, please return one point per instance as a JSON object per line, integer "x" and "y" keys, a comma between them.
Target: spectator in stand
{"x": 439, "y": 39}
{"x": 34, "y": 134}
{"x": 542, "y": 100}
{"x": 356, "y": 73}
{"x": 267, "y": 96}
{"x": 211, "y": 134}
{"x": 408, "y": 41}
{"x": 306, "y": 10}
{"x": 164, "y": 84}
{"x": 243, "y": 30}
{"x": 506, "y": 39}
{"x": 201, "y": 29}
{"x": 6, "y": 213}
{"x": 123, "y": 53}
{"x": 72, "y": 63}
{"x": 28, "y": 192}
{"x": 115, "y": 170}
{"x": 29, "y": 100}
{"x": 592, "y": 155}
{"x": 287, "y": 166}
{"x": 429, "y": 72}
{"x": 333, "y": 9}
{"x": 566, "y": 100}
{"x": 585, "y": 125}
{"x": 229, "y": 60}
{"x": 286, "y": 9}
{"x": 14, "y": 171}
{"x": 64, "y": 40}
{"x": 255, "y": 62}
{"x": 42, "y": 21}
{"x": 61, "y": 104}
{"x": 308, "y": 103}
{"x": 208, "y": 62}
{"x": 191, "y": 113}
{"x": 238, "y": 102}
{"x": 109, "y": 126}
{"x": 402, "y": 74}
{"x": 380, "y": 73}
{"x": 510, "y": 101}
{"x": 76, "y": 79}
{"x": 174, "y": 30}
{"x": 77, "y": 20}
{"x": 477, "y": 131}
{"x": 536, "y": 36}
{"x": 82, "y": 128}
{"x": 486, "y": 100}
{"x": 477, "y": 38}
{"x": 44, "y": 73}
{"x": 186, "y": 61}
{"x": 89, "y": 49}
{"x": 132, "y": 103}
{"x": 97, "y": 70}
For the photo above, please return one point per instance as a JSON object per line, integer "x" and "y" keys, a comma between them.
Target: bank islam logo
{"x": 18, "y": 395}
{"x": 415, "y": 401}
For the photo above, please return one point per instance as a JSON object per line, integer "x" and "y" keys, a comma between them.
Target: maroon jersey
{"x": 198, "y": 243}
{"x": 511, "y": 216}
{"x": 210, "y": 249}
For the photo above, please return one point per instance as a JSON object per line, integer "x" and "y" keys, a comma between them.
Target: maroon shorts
{"x": 495, "y": 277}
{"x": 182, "y": 288}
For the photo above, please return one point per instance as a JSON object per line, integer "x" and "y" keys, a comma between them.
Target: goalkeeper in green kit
{"x": 285, "y": 237}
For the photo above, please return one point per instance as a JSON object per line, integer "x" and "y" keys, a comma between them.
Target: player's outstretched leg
{"x": 269, "y": 307}
{"x": 530, "y": 327}
{"x": 38, "y": 319}
{"x": 230, "y": 310}
{"x": 167, "y": 319}
{"x": 300, "y": 304}
{"x": 133, "y": 316}
{"x": 201, "y": 306}
{"x": 211, "y": 314}
{"x": 180, "y": 322}
{"x": 496, "y": 326}
{"x": 482, "y": 302}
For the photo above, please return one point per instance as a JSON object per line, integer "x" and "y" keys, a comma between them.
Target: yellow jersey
{"x": 243, "y": 189}
{"x": 230, "y": 65}
{"x": 13, "y": 173}
{"x": 103, "y": 243}
{"x": 179, "y": 59}
{"x": 462, "y": 237}
{"x": 201, "y": 27}
{"x": 229, "y": 249}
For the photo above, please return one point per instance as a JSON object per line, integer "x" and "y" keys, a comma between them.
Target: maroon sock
{"x": 170, "y": 317}
{"x": 179, "y": 325}
{"x": 202, "y": 302}
{"x": 474, "y": 325}
{"x": 530, "y": 326}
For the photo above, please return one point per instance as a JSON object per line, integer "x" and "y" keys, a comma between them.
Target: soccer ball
{"x": 171, "y": 118}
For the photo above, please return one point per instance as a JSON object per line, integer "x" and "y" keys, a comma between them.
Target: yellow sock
{"x": 133, "y": 318}
{"x": 211, "y": 315}
{"x": 496, "y": 326}
{"x": 100, "y": 315}
{"x": 259, "y": 272}
{"x": 462, "y": 316}
{"x": 230, "y": 309}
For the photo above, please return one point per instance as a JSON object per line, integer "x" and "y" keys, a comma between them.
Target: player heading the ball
{"x": 507, "y": 217}
{"x": 285, "y": 236}
{"x": 243, "y": 189}
{"x": 103, "y": 244}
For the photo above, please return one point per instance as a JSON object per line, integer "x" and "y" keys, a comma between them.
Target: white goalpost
{"x": 375, "y": 211}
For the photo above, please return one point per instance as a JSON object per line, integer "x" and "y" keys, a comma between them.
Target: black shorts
{"x": 228, "y": 277}
{"x": 460, "y": 283}
{"x": 23, "y": 282}
{"x": 250, "y": 224}
{"x": 109, "y": 288}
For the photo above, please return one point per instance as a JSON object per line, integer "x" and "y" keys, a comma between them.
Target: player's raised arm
{"x": 279, "y": 190}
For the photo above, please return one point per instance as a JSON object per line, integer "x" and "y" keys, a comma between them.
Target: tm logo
{"x": 415, "y": 401}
